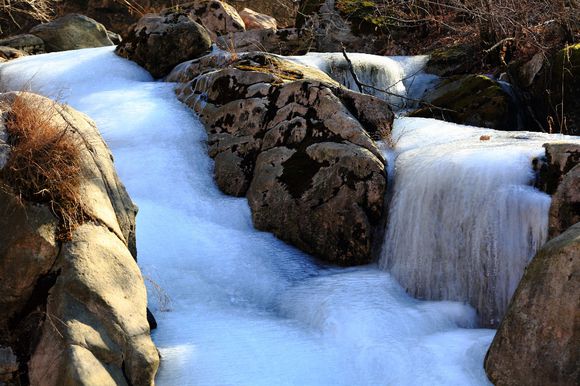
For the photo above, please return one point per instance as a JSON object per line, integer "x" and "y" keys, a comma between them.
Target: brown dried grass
{"x": 44, "y": 165}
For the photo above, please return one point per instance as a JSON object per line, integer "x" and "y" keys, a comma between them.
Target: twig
{"x": 498, "y": 44}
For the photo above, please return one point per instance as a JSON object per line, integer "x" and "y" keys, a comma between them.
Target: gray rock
{"x": 72, "y": 32}
{"x": 159, "y": 43}
{"x": 299, "y": 145}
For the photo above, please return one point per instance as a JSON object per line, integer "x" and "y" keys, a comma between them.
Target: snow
{"x": 245, "y": 308}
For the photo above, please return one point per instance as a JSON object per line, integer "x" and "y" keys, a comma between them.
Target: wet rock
{"x": 256, "y": 20}
{"x": 537, "y": 342}
{"x": 28, "y": 43}
{"x": 299, "y": 145}
{"x": 72, "y": 32}
{"x": 475, "y": 100}
{"x": 73, "y": 300}
{"x": 159, "y": 43}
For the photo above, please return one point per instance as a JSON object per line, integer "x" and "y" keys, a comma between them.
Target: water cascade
{"x": 399, "y": 76}
{"x": 238, "y": 306}
{"x": 464, "y": 220}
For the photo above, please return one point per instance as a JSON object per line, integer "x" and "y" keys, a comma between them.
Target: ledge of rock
{"x": 537, "y": 342}
{"x": 299, "y": 145}
{"x": 74, "y": 303}
{"x": 72, "y": 32}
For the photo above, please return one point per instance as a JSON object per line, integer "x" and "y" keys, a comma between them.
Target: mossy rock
{"x": 475, "y": 100}
{"x": 454, "y": 60}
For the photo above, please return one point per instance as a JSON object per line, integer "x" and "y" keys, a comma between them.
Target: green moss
{"x": 474, "y": 100}
{"x": 363, "y": 11}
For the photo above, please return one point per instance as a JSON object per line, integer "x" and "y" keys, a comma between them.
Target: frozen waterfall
{"x": 245, "y": 308}
{"x": 396, "y": 79}
{"x": 464, "y": 219}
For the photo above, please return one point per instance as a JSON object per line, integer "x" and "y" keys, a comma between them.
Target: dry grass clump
{"x": 44, "y": 161}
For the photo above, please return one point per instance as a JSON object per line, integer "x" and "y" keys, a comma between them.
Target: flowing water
{"x": 238, "y": 307}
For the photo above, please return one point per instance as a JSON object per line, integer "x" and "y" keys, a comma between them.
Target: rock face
{"x": 28, "y": 43}
{"x": 299, "y": 145}
{"x": 560, "y": 177}
{"x": 255, "y": 20}
{"x": 158, "y": 43}
{"x": 74, "y": 308}
{"x": 218, "y": 17}
{"x": 471, "y": 100}
{"x": 72, "y": 32}
{"x": 537, "y": 342}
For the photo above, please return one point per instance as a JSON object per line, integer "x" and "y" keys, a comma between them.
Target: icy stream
{"x": 245, "y": 308}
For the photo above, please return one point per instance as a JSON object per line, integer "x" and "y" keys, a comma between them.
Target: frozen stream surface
{"x": 245, "y": 308}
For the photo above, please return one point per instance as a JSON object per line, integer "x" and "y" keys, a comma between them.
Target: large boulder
{"x": 72, "y": 32}
{"x": 537, "y": 342}
{"x": 160, "y": 42}
{"x": 73, "y": 299}
{"x": 475, "y": 100}
{"x": 300, "y": 147}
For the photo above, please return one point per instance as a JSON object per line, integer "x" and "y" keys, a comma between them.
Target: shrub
{"x": 44, "y": 161}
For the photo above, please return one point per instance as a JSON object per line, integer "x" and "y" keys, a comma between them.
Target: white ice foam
{"x": 246, "y": 309}
{"x": 464, "y": 220}
{"x": 400, "y": 76}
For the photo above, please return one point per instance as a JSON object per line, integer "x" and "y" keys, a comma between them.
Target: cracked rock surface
{"x": 298, "y": 145}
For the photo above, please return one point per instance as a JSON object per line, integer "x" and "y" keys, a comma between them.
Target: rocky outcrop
{"x": 73, "y": 299}
{"x": 160, "y": 42}
{"x": 28, "y": 43}
{"x": 537, "y": 342}
{"x": 299, "y": 145}
{"x": 474, "y": 100}
{"x": 256, "y": 20}
{"x": 72, "y": 32}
